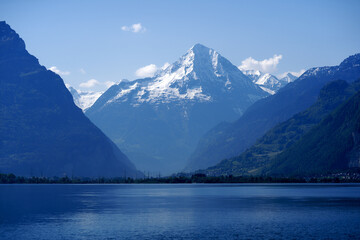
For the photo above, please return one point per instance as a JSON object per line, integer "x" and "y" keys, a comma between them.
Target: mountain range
{"x": 264, "y": 154}
{"x": 227, "y": 140}
{"x": 201, "y": 111}
{"x": 268, "y": 82}
{"x": 42, "y": 132}
{"x": 158, "y": 121}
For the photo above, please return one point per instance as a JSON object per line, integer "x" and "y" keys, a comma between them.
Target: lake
{"x": 193, "y": 211}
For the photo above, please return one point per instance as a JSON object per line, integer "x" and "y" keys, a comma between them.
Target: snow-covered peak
{"x": 196, "y": 75}
{"x": 181, "y": 68}
{"x": 267, "y": 82}
{"x": 83, "y": 99}
{"x": 199, "y": 75}
{"x": 252, "y": 74}
{"x": 288, "y": 78}
{"x": 199, "y": 56}
{"x": 267, "y": 79}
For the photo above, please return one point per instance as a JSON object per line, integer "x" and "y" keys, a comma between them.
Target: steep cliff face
{"x": 42, "y": 132}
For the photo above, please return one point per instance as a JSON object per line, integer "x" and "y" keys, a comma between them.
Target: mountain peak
{"x": 203, "y": 52}
{"x": 352, "y": 61}
{"x": 181, "y": 102}
{"x": 10, "y": 41}
{"x": 288, "y": 78}
{"x": 199, "y": 47}
{"x": 201, "y": 74}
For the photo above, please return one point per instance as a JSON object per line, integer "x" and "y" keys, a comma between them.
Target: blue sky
{"x": 95, "y": 40}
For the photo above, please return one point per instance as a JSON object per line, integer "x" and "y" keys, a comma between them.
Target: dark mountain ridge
{"x": 42, "y": 132}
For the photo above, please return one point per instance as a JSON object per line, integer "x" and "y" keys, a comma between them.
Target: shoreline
{"x": 193, "y": 179}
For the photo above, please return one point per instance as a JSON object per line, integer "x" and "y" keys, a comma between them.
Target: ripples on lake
{"x": 194, "y": 211}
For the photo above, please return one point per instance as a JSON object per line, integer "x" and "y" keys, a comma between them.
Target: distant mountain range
{"x": 158, "y": 121}
{"x": 231, "y": 139}
{"x": 84, "y": 99}
{"x": 42, "y": 132}
{"x": 263, "y": 157}
{"x": 267, "y": 82}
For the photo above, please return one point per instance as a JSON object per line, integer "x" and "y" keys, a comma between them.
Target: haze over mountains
{"x": 42, "y": 132}
{"x": 157, "y": 121}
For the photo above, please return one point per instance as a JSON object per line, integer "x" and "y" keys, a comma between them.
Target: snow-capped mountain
{"x": 288, "y": 78}
{"x": 159, "y": 120}
{"x": 84, "y": 99}
{"x": 267, "y": 82}
{"x": 252, "y": 74}
{"x": 200, "y": 75}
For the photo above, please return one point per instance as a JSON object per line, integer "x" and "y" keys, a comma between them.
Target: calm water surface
{"x": 196, "y": 211}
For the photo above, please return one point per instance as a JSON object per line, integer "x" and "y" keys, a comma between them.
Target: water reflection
{"x": 254, "y": 211}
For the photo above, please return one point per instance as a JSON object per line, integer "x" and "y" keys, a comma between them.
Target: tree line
{"x": 195, "y": 178}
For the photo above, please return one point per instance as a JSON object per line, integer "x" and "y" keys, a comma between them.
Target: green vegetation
{"x": 334, "y": 144}
{"x": 259, "y": 158}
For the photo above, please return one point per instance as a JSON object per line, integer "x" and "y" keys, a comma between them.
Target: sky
{"x": 93, "y": 44}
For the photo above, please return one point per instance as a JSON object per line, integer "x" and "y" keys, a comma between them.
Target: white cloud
{"x": 150, "y": 70}
{"x": 296, "y": 74}
{"x": 57, "y": 71}
{"x": 135, "y": 28}
{"x": 267, "y": 65}
{"x": 147, "y": 71}
{"x": 82, "y": 71}
{"x": 90, "y": 84}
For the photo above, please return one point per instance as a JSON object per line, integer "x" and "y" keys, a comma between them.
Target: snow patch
{"x": 123, "y": 92}
{"x": 267, "y": 90}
